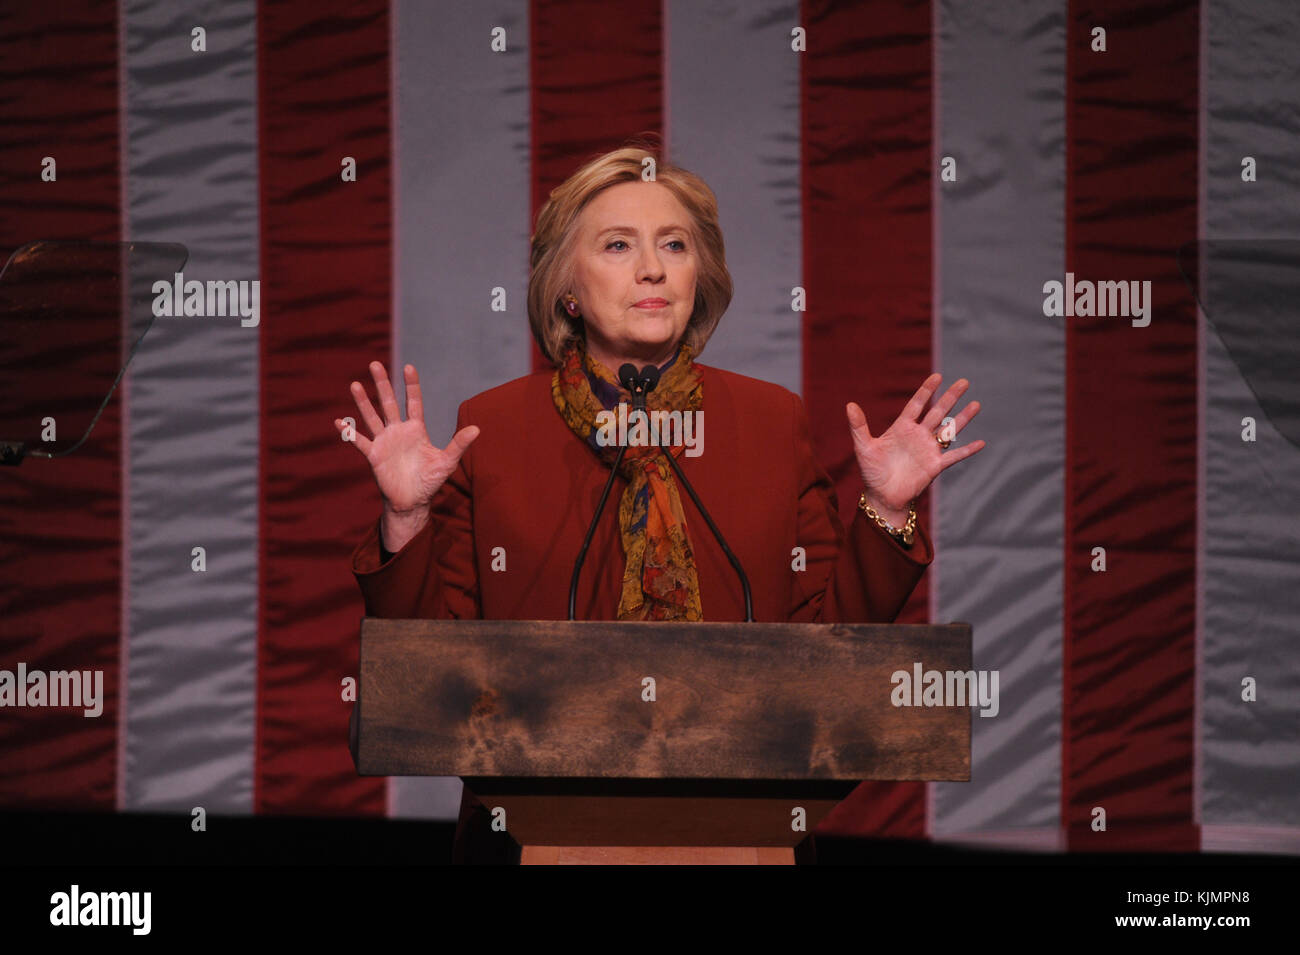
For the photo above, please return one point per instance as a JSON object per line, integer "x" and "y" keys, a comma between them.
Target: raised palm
{"x": 407, "y": 467}
{"x": 899, "y": 464}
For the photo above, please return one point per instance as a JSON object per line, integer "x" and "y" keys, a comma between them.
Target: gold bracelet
{"x": 903, "y": 535}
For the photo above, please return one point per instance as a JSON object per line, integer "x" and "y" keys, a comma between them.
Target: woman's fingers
{"x": 387, "y": 400}
{"x": 949, "y": 458}
{"x": 857, "y": 417}
{"x": 414, "y": 400}
{"x": 367, "y": 410}
{"x": 359, "y": 439}
{"x": 460, "y": 442}
{"x": 962, "y": 419}
{"x": 912, "y": 410}
{"x": 940, "y": 409}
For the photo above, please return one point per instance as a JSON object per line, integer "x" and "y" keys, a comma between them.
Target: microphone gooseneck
{"x": 591, "y": 529}
{"x": 735, "y": 561}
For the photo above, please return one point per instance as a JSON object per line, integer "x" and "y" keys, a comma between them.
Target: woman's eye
{"x": 670, "y": 242}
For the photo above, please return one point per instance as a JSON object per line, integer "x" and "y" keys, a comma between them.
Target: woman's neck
{"x": 615, "y": 362}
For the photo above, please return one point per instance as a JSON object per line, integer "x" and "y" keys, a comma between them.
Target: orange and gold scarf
{"x": 659, "y": 580}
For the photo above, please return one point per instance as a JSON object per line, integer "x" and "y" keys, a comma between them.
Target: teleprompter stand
{"x": 658, "y": 742}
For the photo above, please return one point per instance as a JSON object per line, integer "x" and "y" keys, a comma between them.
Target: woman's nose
{"x": 650, "y": 264}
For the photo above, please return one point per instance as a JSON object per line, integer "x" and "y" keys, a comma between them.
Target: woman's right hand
{"x": 407, "y": 467}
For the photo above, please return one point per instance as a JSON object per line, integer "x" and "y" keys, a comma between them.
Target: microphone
{"x": 639, "y": 384}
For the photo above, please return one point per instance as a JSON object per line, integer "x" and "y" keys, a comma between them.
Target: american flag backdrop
{"x": 825, "y": 129}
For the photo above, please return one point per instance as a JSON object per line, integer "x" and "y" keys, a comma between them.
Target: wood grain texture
{"x": 756, "y": 701}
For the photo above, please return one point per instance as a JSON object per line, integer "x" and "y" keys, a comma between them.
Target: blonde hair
{"x": 551, "y": 262}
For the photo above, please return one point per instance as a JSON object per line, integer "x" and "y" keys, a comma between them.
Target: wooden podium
{"x": 657, "y": 742}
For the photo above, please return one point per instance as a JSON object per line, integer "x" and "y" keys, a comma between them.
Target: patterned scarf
{"x": 659, "y": 580}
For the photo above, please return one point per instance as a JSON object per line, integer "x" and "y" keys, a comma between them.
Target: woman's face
{"x": 634, "y": 273}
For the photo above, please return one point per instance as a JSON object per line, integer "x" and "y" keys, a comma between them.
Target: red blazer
{"x": 529, "y": 486}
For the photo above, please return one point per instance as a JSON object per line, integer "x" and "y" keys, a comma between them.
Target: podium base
{"x": 656, "y": 855}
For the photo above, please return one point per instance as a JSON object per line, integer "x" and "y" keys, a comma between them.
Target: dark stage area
{"x": 121, "y": 839}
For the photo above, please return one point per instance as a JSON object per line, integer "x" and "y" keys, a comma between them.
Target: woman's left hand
{"x": 899, "y": 464}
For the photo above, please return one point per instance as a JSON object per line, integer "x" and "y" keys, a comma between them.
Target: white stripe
{"x": 733, "y": 104}
{"x": 1000, "y": 515}
{"x": 1279, "y": 840}
{"x": 1249, "y": 753}
{"x": 190, "y": 176}
{"x": 462, "y": 191}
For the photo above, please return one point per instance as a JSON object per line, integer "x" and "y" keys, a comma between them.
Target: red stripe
{"x": 1129, "y": 655}
{"x": 596, "y": 80}
{"x": 866, "y": 178}
{"x": 61, "y": 519}
{"x": 323, "y": 88}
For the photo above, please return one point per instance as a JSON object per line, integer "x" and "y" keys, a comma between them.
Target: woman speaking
{"x": 632, "y": 271}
